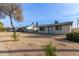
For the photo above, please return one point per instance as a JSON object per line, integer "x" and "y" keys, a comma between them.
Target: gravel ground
{"x": 35, "y": 41}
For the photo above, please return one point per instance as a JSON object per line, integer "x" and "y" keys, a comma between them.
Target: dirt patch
{"x": 35, "y": 41}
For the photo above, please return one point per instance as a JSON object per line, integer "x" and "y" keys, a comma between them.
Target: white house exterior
{"x": 58, "y": 28}
{"x": 31, "y": 28}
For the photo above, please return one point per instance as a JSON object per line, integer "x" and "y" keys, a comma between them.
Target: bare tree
{"x": 13, "y": 11}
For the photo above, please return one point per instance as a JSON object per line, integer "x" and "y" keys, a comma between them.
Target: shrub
{"x": 5, "y": 30}
{"x": 49, "y": 50}
{"x": 73, "y": 36}
{"x": 14, "y": 37}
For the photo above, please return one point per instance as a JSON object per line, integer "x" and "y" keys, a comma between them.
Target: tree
{"x": 13, "y": 11}
{"x": 1, "y": 27}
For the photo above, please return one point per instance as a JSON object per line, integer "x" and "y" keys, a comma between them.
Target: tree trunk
{"x": 14, "y": 32}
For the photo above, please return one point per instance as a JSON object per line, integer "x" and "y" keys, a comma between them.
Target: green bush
{"x": 5, "y": 30}
{"x": 14, "y": 36}
{"x": 73, "y": 36}
{"x": 49, "y": 50}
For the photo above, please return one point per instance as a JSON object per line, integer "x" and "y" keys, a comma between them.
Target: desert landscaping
{"x": 33, "y": 41}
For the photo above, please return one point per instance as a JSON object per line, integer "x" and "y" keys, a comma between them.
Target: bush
{"x": 49, "y": 50}
{"x": 73, "y": 36}
{"x": 5, "y": 30}
{"x": 14, "y": 36}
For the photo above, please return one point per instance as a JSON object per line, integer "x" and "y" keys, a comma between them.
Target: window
{"x": 58, "y": 27}
{"x": 42, "y": 28}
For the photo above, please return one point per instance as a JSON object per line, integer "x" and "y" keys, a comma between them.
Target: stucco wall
{"x": 65, "y": 29}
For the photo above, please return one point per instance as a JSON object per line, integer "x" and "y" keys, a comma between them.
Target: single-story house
{"x": 57, "y": 28}
{"x": 31, "y": 28}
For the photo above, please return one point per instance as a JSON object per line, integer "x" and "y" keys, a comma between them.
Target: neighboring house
{"x": 20, "y": 29}
{"x": 31, "y": 28}
{"x": 57, "y": 28}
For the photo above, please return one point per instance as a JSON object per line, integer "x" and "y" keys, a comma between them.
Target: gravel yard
{"x": 34, "y": 41}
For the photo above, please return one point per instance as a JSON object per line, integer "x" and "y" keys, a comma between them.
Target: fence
{"x": 75, "y": 30}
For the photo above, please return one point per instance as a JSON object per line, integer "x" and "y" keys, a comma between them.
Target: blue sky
{"x": 46, "y": 13}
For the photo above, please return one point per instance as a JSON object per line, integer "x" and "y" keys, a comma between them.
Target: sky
{"x": 46, "y": 13}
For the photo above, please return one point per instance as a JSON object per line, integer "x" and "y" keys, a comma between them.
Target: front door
{"x": 50, "y": 30}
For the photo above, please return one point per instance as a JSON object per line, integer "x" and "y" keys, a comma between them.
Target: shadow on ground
{"x": 64, "y": 40}
{"x": 8, "y": 41}
{"x": 37, "y": 36}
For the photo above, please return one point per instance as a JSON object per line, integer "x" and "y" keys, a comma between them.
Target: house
{"x": 56, "y": 28}
{"x": 21, "y": 29}
{"x": 31, "y": 28}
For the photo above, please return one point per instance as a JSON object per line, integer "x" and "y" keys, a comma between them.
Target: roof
{"x": 26, "y": 26}
{"x": 64, "y": 23}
